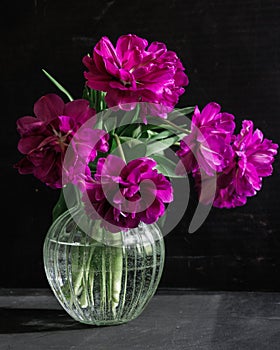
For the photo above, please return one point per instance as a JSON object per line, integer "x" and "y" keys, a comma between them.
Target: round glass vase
{"x": 102, "y": 278}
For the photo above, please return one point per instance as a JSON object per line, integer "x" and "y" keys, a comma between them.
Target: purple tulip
{"x": 207, "y": 147}
{"x": 133, "y": 72}
{"x": 45, "y": 138}
{"x": 123, "y": 194}
{"x": 251, "y": 160}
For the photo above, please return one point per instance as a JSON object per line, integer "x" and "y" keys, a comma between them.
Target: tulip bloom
{"x": 207, "y": 147}
{"x": 123, "y": 194}
{"x": 135, "y": 72}
{"x": 45, "y": 138}
{"x": 251, "y": 160}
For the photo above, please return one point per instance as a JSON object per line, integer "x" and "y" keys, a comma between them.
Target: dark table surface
{"x": 176, "y": 319}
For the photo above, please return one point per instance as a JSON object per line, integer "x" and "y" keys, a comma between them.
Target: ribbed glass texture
{"x": 102, "y": 278}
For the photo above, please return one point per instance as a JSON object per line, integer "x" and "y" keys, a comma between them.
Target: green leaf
{"x": 99, "y": 123}
{"x": 150, "y": 133}
{"x": 160, "y": 135}
{"x": 176, "y": 113}
{"x": 165, "y": 166}
{"x": 128, "y": 130}
{"x": 137, "y": 132}
{"x": 114, "y": 144}
{"x": 131, "y": 117}
{"x": 132, "y": 148}
{"x": 110, "y": 123}
{"x": 129, "y": 122}
{"x": 60, "y": 207}
{"x": 58, "y": 85}
{"x": 155, "y": 147}
{"x": 85, "y": 94}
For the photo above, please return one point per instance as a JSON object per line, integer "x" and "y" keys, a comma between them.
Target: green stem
{"x": 91, "y": 272}
{"x": 125, "y": 268}
{"x": 120, "y": 147}
{"x": 77, "y": 270}
{"x": 84, "y": 289}
{"x": 102, "y": 100}
{"x": 88, "y": 278}
{"x": 92, "y": 98}
{"x": 103, "y": 280}
{"x": 109, "y": 279}
{"x": 99, "y": 102}
{"x": 117, "y": 270}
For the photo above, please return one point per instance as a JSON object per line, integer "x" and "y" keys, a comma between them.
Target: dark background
{"x": 231, "y": 53}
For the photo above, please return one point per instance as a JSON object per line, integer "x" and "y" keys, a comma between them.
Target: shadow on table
{"x": 36, "y": 320}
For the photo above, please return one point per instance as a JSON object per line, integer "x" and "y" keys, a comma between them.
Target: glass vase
{"x": 102, "y": 278}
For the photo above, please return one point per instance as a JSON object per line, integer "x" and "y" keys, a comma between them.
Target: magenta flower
{"x": 123, "y": 195}
{"x": 207, "y": 147}
{"x": 45, "y": 138}
{"x": 82, "y": 150}
{"x": 133, "y": 72}
{"x": 251, "y": 160}
{"x": 218, "y": 190}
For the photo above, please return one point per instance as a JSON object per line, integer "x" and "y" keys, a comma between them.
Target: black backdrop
{"x": 230, "y": 49}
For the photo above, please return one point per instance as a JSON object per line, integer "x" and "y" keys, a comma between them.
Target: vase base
{"x": 104, "y": 323}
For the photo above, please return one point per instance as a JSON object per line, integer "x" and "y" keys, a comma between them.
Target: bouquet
{"x": 124, "y": 147}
